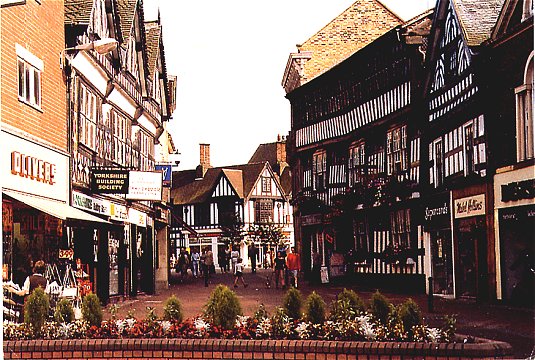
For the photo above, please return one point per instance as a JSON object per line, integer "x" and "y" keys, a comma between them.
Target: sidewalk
{"x": 515, "y": 326}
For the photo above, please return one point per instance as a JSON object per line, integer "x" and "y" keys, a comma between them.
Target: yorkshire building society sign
{"x": 470, "y": 206}
{"x": 109, "y": 181}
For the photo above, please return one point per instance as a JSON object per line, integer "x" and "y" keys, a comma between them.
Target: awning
{"x": 52, "y": 207}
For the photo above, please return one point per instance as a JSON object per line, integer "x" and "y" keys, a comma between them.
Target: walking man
{"x": 293, "y": 262}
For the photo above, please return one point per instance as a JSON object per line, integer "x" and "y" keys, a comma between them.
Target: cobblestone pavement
{"x": 497, "y": 322}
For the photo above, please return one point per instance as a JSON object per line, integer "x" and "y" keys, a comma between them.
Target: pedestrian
{"x": 195, "y": 259}
{"x": 238, "y": 273}
{"x": 32, "y": 282}
{"x": 221, "y": 258}
{"x": 280, "y": 268}
{"x": 227, "y": 260}
{"x": 234, "y": 255}
{"x": 316, "y": 267}
{"x": 252, "y": 255}
{"x": 293, "y": 262}
{"x": 208, "y": 264}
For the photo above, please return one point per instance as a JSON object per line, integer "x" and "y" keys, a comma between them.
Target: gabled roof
{"x": 78, "y": 11}
{"x": 360, "y": 24}
{"x": 152, "y": 36}
{"x": 188, "y": 190}
{"x": 477, "y": 18}
{"x": 126, "y": 10}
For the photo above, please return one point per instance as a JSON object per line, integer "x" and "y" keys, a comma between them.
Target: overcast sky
{"x": 229, "y": 57}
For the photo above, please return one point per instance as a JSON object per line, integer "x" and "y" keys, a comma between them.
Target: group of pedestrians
{"x": 286, "y": 268}
{"x": 199, "y": 263}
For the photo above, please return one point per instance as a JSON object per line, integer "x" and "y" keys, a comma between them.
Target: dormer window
{"x": 525, "y": 132}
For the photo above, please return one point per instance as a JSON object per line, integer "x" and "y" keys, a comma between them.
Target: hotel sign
{"x": 470, "y": 206}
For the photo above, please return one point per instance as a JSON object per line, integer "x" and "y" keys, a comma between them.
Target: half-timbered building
{"x": 458, "y": 219}
{"x": 508, "y": 65}
{"x": 209, "y": 200}
{"x": 118, "y": 103}
{"x": 355, "y": 155}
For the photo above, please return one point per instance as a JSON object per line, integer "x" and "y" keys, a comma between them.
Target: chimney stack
{"x": 204, "y": 155}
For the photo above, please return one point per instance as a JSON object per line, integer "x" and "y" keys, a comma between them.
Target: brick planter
{"x": 167, "y": 349}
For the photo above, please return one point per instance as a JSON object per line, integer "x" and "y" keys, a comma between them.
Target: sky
{"x": 229, "y": 58}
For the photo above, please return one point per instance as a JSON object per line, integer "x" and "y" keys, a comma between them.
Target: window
{"x": 396, "y": 150}
{"x": 146, "y": 151}
{"x": 525, "y": 133}
{"x": 356, "y": 164}
{"x": 263, "y": 211}
{"x": 319, "y": 169}
{"x": 400, "y": 222}
{"x": 266, "y": 184}
{"x": 29, "y": 77}
{"x": 469, "y": 164}
{"x": 87, "y": 122}
{"x": 121, "y": 132}
{"x": 436, "y": 156}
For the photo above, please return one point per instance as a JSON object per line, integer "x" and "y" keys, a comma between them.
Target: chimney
{"x": 204, "y": 160}
{"x": 204, "y": 155}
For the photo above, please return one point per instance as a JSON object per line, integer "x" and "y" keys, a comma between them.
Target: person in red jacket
{"x": 293, "y": 263}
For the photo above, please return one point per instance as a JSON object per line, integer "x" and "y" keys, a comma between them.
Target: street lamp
{"x": 101, "y": 46}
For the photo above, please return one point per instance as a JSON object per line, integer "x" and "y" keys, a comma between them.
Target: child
{"x": 238, "y": 273}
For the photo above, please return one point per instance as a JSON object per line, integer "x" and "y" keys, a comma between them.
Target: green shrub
{"x": 380, "y": 307}
{"x": 92, "y": 310}
{"x": 394, "y": 324}
{"x": 173, "y": 309}
{"x": 355, "y": 302}
{"x": 261, "y": 313}
{"x": 280, "y": 323}
{"x": 341, "y": 310}
{"x": 64, "y": 311}
{"x": 223, "y": 307}
{"x": 292, "y": 303}
{"x": 449, "y": 328}
{"x": 36, "y": 310}
{"x": 410, "y": 315}
{"x": 315, "y": 308}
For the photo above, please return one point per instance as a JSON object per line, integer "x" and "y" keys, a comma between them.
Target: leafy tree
{"x": 233, "y": 232}
{"x": 269, "y": 234}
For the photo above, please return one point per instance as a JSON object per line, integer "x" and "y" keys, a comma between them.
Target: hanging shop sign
{"x": 145, "y": 185}
{"x": 469, "y": 206}
{"x": 166, "y": 171}
{"x": 109, "y": 181}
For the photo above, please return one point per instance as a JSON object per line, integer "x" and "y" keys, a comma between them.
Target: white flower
{"x": 166, "y": 325}
{"x": 130, "y": 323}
{"x": 303, "y": 330}
{"x": 264, "y": 328}
{"x": 433, "y": 334}
{"x": 241, "y": 321}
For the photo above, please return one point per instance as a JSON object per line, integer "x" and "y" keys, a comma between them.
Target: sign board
{"x": 109, "y": 181}
{"x": 145, "y": 185}
{"x": 324, "y": 274}
{"x": 166, "y": 174}
{"x": 469, "y": 206}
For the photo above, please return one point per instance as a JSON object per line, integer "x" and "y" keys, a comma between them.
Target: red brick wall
{"x": 39, "y": 29}
{"x": 168, "y": 349}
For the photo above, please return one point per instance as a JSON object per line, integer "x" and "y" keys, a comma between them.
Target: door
{"x": 441, "y": 262}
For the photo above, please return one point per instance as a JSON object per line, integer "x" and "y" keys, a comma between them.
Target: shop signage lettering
{"x": 518, "y": 190}
{"x": 311, "y": 219}
{"x": 87, "y": 203}
{"x": 109, "y": 181}
{"x": 470, "y": 206}
{"x": 429, "y": 213}
{"x": 145, "y": 185}
{"x": 32, "y": 168}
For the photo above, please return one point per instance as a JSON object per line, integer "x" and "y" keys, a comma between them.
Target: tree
{"x": 269, "y": 234}
{"x": 233, "y": 232}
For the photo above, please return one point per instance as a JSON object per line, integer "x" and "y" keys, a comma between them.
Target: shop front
{"x": 470, "y": 244}
{"x": 35, "y": 208}
{"x": 514, "y": 210}
{"x": 438, "y": 243}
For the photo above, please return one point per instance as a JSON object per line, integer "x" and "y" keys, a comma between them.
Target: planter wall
{"x": 167, "y": 349}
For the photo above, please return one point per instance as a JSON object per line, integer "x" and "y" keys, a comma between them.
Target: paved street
{"x": 515, "y": 326}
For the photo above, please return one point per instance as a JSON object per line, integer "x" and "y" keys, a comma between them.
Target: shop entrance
{"x": 471, "y": 252}
{"x": 441, "y": 262}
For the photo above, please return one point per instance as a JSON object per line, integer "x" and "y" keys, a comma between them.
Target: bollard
{"x": 430, "y": 295}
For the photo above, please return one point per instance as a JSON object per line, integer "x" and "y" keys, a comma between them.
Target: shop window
{"x": 356, "y": 163}
{"x": 29, "y": 77}
{"x": 525, "y": 132}
{"x": 121, "y": 132}
{"x": 396, "y": 150}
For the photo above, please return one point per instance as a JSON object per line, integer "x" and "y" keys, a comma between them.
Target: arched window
{"x": 525, "y": 132}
